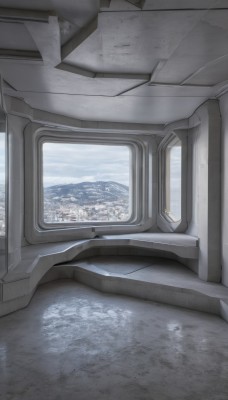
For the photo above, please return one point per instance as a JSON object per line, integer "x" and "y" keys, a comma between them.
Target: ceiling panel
{"x": 156, "y": 110}
{"x": 175, "y": 46}
{"x": 170, "y": 91}
{"x": 133, "y": 41}
{"x": 15, "y": 36}
{"x": 212, "y": 74}
{"x": 35, "y": 78}
{"x": 205, "y": 43}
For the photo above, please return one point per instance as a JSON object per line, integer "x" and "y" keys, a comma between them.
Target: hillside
{"x": 87, "y": 192}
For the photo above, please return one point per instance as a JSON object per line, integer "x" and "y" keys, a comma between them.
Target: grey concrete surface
{"x": 151, "y": 269}
{"x": 36, "y": 260}
{"x": 148, "y": 278}
{"x": 75, "y": 343}
{"x": 224, "y": 215}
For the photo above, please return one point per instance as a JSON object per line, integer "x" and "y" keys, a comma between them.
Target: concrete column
{"x": 16, "y": 188}
{"x": 224, "y": 207}
{"x": 207, "y": 197}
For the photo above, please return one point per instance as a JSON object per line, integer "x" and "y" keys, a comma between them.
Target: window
{"x": 2, "y": 184}
{"x": 173, "y": 182}
{"x": 84, "y": 183}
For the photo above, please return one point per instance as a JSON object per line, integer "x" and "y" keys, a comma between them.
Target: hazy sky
{"x": 175, "y": 181}
{"x": 2, "y": 157}
{"x": 74, "y": 163}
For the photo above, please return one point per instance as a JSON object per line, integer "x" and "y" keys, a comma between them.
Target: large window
{"x": 84, "y": 183}
{"x": 173, "y": 180}
{"x": 2, "y": 184}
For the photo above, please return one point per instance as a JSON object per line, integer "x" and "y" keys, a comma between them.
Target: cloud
{"x": 75, "y": 162}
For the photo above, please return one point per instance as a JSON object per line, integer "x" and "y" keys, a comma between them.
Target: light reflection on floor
{"x": 75, "y": 343}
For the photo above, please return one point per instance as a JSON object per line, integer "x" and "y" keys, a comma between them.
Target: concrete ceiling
{"x": 148, "y": 61}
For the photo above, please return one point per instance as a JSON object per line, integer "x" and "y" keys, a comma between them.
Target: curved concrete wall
{"x": 224, "y": 171}
{"x": 205, "y": 222}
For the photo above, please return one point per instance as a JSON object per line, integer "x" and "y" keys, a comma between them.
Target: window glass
{"x": 173, "y": 180}
{"x": 85, "y": 182}
{"x": 2, "y": 184}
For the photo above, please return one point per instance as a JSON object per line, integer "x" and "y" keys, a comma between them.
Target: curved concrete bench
{"x": 182, "y": 245}
{"x": 18, "y": 286}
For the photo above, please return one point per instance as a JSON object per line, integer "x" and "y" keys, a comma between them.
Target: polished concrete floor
{"x": 75, "y": 343}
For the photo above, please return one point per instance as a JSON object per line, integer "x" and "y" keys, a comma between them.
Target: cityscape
{"x": 86, "y": 202}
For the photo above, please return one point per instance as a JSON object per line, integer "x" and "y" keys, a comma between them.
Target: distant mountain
{"x": 87, "y": 192}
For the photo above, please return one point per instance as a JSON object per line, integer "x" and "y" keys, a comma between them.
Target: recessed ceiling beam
{"x": 176, "y": 85}
{"x": 20, "y": 55}
{"x": 117, "y": 75}
{"x": 75, "y": 70}
{"x": 19, "y": 15}
{"x": 90, "y": 74}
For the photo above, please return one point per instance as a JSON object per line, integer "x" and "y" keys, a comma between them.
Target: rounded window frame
{"x": 134, "y": 154}
{"x": 164, "y": 221}
{"x": 144, "y": 171}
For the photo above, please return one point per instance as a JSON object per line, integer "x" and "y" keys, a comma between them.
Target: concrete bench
{"x": 19, "y": 284}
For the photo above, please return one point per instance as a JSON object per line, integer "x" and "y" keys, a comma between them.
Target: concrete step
{"x": 159, "y": 280}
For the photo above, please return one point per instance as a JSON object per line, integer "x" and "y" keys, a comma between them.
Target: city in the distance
{"x": 101, "y": 201}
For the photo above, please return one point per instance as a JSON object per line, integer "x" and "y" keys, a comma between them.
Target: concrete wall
{"x": 224, "y": 206}
{"x": 206, "y": 173}
{"x": 16, "y": 188}
{"x": 205, "y": 223}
